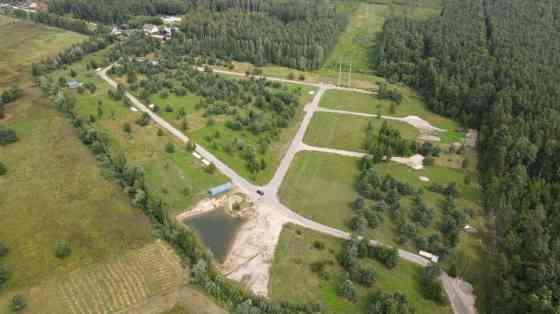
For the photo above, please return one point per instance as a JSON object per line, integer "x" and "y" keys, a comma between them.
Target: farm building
{"x": 220, "y": 189}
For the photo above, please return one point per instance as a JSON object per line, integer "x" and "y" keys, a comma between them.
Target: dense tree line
{"x": 70, "y": 55}
{"x": 7, "y": 96}
{"x": 71, "y": 24}
{"x": 116, "y": 11}
{"x": 299, "y": 34}
{"x": 495, "y": 65}
{"x": 295, "y": 33}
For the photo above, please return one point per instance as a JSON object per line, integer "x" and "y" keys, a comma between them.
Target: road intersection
{"x": 461, "y": 301}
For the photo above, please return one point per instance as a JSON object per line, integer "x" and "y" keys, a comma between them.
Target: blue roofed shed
{"x": 215, "y": 191}
{"x": 73, "y": 84}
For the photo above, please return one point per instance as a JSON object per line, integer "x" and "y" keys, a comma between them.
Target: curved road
{"x": 461, "y": 302}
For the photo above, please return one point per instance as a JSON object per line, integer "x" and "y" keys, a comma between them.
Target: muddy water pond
{"x": 217, "y": 229}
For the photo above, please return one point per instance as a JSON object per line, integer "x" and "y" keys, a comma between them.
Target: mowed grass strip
{"x": 292, "y": 279}
{"x": 411, "y": 105}
{"x": 358, "y": 41}
{"x": 348, "y": 132}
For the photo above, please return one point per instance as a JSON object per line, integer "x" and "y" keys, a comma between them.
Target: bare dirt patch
{"x": 415, "y": 162}
{"x": 250, "y": 258}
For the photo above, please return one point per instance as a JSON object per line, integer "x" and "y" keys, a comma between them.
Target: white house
{"x": 171, "y": 19}
{"x": 150, "y": 29}
{"x": 116, "y": 32}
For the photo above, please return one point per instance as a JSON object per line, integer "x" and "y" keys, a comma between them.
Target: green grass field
{"x": 321, "y": 187}
{"x": 24, "y": 42}
{"x": 412, "y": 105}
{"x": 54, "y": 189}
{"x": 348, "y": 132}
{"x": 292, "y": 280}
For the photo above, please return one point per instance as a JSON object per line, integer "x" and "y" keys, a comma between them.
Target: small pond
{"x": 217, "y": 229}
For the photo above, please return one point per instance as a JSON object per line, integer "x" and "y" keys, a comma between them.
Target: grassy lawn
{"x": 54, "y": 189}
{"x": 412, "y": 104}
{"x": 292, "y": 279}
{"x": 348, "y": 132}
{"x": 321, "y": 187}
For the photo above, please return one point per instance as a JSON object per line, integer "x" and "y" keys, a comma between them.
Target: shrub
{"x": 358, "y": 203}
{"x": 7, "y": 136}
{"x": 144, "y": 119}
{"x": 170, "y": 148}
{"x": 187, "y": 191}
{"x": 159, "y": 132}
{"x": 429, "y": 280}
{"x": 3, "y": 170}
{"x": 347, "y": 290}
{"x": 3, "y": 275}
{"x": 429, "y": 161}
{"x": 317, "y": 267}
{"x": 17, "y": 303}
{"x": 388, "y": 256}
{"x": 3, "y": 249}
{"x": 319, "y": 245}
{"x": 453, "y": 270}
{"x": 127, "y": 128}
{"x": 211, "y": 168}
{"x": 385, "y": 303}
{"x": 62, "y": 249}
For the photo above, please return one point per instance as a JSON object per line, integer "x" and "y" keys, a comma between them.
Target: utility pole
{"x": 339, "y": 72}
{"x": 350, "y": 75}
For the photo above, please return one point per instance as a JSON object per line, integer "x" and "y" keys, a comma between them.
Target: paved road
{"x": 273, "y": 186}
{"x": 415, "y": 121}
{"x": 340, "y": 152}
{"x": 282, "y": 80}
{"x": 459, "y": 299}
